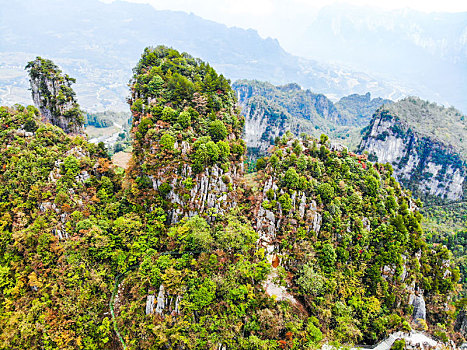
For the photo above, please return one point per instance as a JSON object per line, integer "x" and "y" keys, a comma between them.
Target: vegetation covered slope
{"x": 432, "y": 120}
{"x": 350, "y": 241}
{"x": 447, "y": 224}
{"x": 189, "y": 253}
{"x": 55, "y": 260}
{"x": 358, "y": 109}
{"x": 186, "y": 133}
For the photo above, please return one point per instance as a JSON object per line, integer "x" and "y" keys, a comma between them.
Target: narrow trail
{"x": 118, "y": 280}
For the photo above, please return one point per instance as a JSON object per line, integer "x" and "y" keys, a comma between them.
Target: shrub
{"x": 169, "y": 114}
{"x": 217, "y": 130}
{"x": 224, "y": 150}
{"x": 286, "y": 202}
{"x": 328, "y": 257}
{"x": 195, "y": 233}
{"x": 155, "y": 84}
{"x": 291, "y": 178}
{"x": 184, "y": 119}
{"x": 137, "y": 106}
{"x": 167, "y": 142}
{"x": 399, "y": 344}
{"x": 310, "y": 281}
{"x": 260, "y": 164}
{"x": 326, "y": 192}
{"x": 164, "y": 189}
{"x": 212, "y": 151}
{"x": 237, "y": 236}
{"x": 314, "y": 334}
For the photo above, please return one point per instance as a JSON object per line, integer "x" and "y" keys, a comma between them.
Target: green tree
{"x": 217, "y": 130}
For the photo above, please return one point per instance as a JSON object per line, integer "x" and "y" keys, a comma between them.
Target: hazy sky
{"x": 280, "y": 19}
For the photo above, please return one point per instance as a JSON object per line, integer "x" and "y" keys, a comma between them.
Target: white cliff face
{"x": 211, "y": 192}
{"x": 164, "y": 304}
{"x": 258, "y": 129}
{"x": 426, "y": 166}
{"x": 419, "y": 308}
{"x": 268, "y": 222}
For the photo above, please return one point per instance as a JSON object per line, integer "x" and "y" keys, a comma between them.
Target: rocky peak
{"x": 188, "y": 154}
{"x": 53, "y": 95}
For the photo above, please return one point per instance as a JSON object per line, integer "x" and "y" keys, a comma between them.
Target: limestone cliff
{"x": 53, "y": 95}
{"x": 313, "y": 210}
{"x": 429, "y": 163}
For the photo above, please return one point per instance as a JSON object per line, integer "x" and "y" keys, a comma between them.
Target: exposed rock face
{"x": 262, "y": 125}
{"x": 150, "y": 304}
{"x": 423, "y": 163}
{"x": 413, "y": 340}
{"x": 268, "y": 222}
{"x": 213, "y": 190}
{"x": 165, "y": 303}
{"x": 188, "y": 155}
{"x": 53, "y": 95}
{"x": 419, "y": 308}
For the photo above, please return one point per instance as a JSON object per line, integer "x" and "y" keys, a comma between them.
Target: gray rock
{"x": 419, "y": 308}
{"x": 161, "y": 300}
{"x": 149, "y": 304}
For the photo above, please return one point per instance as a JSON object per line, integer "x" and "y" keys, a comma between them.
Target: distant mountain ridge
{"x": 272, "y": 110}
{"x": 358, "y": 109}
{"x": 99, "y": 43}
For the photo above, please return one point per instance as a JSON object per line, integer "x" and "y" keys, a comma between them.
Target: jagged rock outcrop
{"x": 53, "y": 95}
{"x": 313, "y": 210}
{"x": 268, "y": 222}
{"x": 427, "y": 162}
{"x": 419, "y": 308}
{"x": 164, "y": 303}
{"x": 212, "y": 192}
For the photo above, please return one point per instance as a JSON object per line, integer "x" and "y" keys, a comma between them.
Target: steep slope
{"x": 53, "y": 95}
{"x": 186, "y": 127}
{"x": 426, "y": 145}
{"x": 58, "y": 202}
{"x": 272, "y": 110}
{"x": 350, "y": 241}
{"x": 318, "y": 239}
{"x": 98, "y": 43}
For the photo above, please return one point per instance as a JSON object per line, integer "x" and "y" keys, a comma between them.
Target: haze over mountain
{"x": 99, "y": 43}
{"x": 425, "y": 51}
